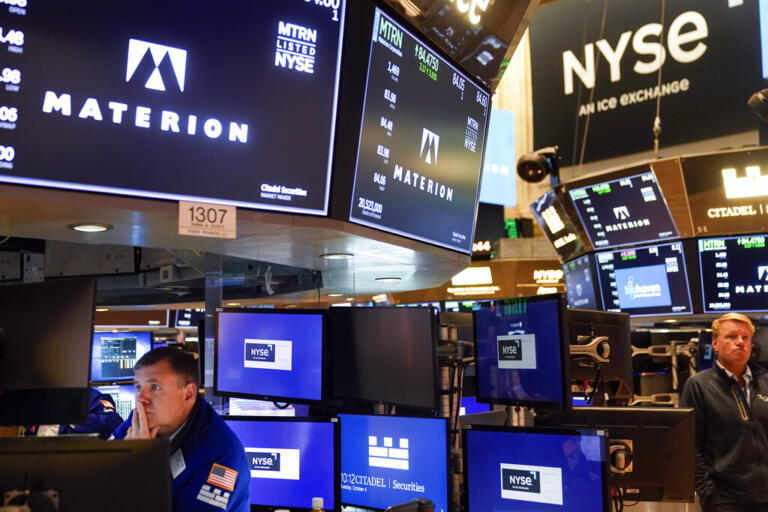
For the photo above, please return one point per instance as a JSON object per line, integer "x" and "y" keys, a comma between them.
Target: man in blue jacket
{"x": 208, "y": 463}
{"x": 102, "y": 419}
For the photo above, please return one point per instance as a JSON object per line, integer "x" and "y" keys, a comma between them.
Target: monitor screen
{"x": 386, "y": 460}
{"x": 734, "y": 273}
{"x": 470, "y": 405}
{"x": 645, "y": 281}
{"x": 291, "y": 460}
{"x": 385, "y": 355}
{"x": 188, "y": 318}
{"x": 270, "y": 355}
{"x": 520, "y": 348}
{"x": 174, "y": 109}
{"x": 421, "y": 141}
{"x": 113, "y": 354}
{"x": 124, "y": 396}
{"x": 624, "y": 211}
{"x": 563, "y": 230}
{"x": 535, "y": 469}
{"x": 580, "y": 283}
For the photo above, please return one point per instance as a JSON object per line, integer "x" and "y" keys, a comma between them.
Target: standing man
{"x": 208, "y": 463}
{"x": 731, "y": 403}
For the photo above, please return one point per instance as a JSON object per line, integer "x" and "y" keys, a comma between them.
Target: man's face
{"x": 166, "y": 400}
{"x": 733, "y": 344}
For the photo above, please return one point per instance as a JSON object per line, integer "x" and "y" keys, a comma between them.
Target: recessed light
{"x": 336, "y": 255}
{"x": 670, "y": 321}
{"x": 389, "y": 279}
{"x": 350, "y": 299}
{"x": 233, "y": 303}
{"x": 101, "y": 310}
{"x": 291, "y": 306}
{"x": 90, "y": 227}
{"x": 335, "y": 294}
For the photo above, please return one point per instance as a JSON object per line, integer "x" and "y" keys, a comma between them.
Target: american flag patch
{"x": 222, "y": 476}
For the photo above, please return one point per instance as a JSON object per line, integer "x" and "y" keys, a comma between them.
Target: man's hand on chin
{"x": 139, "y": 428}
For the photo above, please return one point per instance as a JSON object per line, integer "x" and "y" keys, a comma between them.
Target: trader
{"x": 731, "y": 403}
{"x": 208, "y": 464}
{"x": 102, "y": 419}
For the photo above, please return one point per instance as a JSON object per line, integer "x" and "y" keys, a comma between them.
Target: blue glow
{"x": 764, "y": 34}
{"x": 500, "y": 166}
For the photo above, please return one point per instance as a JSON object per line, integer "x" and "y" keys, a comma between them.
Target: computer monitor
{"x": 705, "y": 356}
{"x": 521, "y": 346}
{"x": 113, "y": 354}
{"x": 662, "y": 442}
{"x": 45, "y": 335}
{"x": 532, "y": 469}
{"x": 385, "y": 355}
{"x": 585, "y": 326}
{"x": 386, "y": 460}
{"x": 292, "y": 460}
{"x": 124, "y": 396}
{"x": 188, "y": 318}
{"x": 270, "y": 355}
{"x": 89, "y": 474}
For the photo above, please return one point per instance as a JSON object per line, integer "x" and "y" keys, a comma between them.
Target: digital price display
{"x": 562, "y": 231}
{"x": 231, "y": 104}
{"x": 580, "y": 283}
{"x": 734, "y": 273}
{"x": 645, "y": 281}
{"x": 624, "y": 211}
{"x": 421, "y": 142}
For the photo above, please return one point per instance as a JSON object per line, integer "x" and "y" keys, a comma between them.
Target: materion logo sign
{"x": 431, "y": 142}
{"x": 621, "y": 212}
{"x": 139, "y": 51}
{"x": 538, "y": 484}
{"x": 274, "y": 463}
{"x": 268, "y": 354}
{"x": 516, "y": 351}
{"x": 387, "y": 455}
{"x": 762, "y": 273}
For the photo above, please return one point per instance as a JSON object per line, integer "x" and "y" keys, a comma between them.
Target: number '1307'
{"x": 210, "y": 215}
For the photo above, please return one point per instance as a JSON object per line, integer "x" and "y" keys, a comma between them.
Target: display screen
{"x": 386, "y": 460}
{"x": 734, "y": 273}
{"x": 580, "y": 283}
{"x": 646, "y": 281}
{"x": 270, "y": 355}
{"x": 124, "y": 396}
{"x": 624, "y": 211}
{"x": 470, "y": 405}
{"x": 188, "y": 318}
{"x": 540, "y": 471}
{"x": 384, "y": 355}
{"x": 564, "y": 233}
{"x": 248, "y": 407}
{"x": 421, "y": 142}
{"x": 291, "y": 461}
{"x": 113, "y": 354}
{"x": 518, "y": 348}
{"x": 145, "y": 98}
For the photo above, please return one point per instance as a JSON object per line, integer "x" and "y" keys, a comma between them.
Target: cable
{"x": 657, "y": 120}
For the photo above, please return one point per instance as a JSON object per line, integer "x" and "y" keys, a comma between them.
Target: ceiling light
{"x": 670, "y": 321}
{"x": 389, "y": 279}
{"x": 336, "y": 255}
{"x": 335, "y": 294}
{"x": 90, "y": 227}
{"x": 233, "y": 303}
{"x": 101, "y": 310}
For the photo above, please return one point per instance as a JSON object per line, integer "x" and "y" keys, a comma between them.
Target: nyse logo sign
{"x": 516, "y": 351}
{"x": 387, "y": 455}
{"x": 274, "y": 463}
{"x": 621, "y": 212}
{"x": 268, "y": 354}
{"x": 537, "y": 484}
{"x": 431, "y": 142}
{"x": 510, "y": 350}
{"x": 137, "y": 53}
{"x": 296, "y": 47}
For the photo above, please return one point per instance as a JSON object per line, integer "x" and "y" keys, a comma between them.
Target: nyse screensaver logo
{"x": 386, "y": 455}
{"x": 137, "y": 53}
{"x": 264, "y": 461}
{"x": 268, "y": 354}
{"x": 274, "y": 463}
{"x": 537, "y": 484}
{"x": 431, "y": 142}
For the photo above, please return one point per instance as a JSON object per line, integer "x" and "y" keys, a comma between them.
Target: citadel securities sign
{"x": 706, "y": 52}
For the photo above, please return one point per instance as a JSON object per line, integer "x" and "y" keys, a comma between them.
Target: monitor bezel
{"x": 301, "y": 419}
{"x": 564, "y": 354}
{"x": 447, "y": 452}
{"x": 605, "y": 474}
{"x": 325, "y": 358}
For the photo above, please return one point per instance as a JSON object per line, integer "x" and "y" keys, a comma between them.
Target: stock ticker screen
{"x": 580, "y": 283}
{"x": 113, "y": 354}
{"x": 645, "y": 281}
{"x": 624, "y": 211}
{"x": 734, "y": 273}
{"x": 228, "y": 103}
{"x": 421, "y": 142}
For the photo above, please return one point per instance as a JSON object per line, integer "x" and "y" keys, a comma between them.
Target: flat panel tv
{"x": 645, "y": 281}
{"x": 581, "y": 283}
{"x": 421, "y": 142}
{"x": 560, "y": 223}
{"x": 734, "y": 273}
{"x": 172, "y": 107}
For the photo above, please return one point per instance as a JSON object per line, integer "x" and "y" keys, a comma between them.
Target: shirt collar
{"x": 747, "y": 373}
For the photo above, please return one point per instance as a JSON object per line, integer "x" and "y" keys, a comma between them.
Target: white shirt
{"x": 747, "y": 379}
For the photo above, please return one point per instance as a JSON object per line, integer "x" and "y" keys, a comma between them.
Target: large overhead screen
{"x": 231, "y": 104}
{"x": 624, "y": 211}
{"x": 645, "y": 281}
{"x": 421, "y": 141}
{"x": 734, "y": 273}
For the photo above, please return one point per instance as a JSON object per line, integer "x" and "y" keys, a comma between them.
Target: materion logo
{"x": 538, "y": 484}
{"x": 636, "y": 291}
{"x": 621, "y": 212}
{"x": 268, "y": 354}
{"x": 274, "y": 463}
{"x": 762, "y": 273}
{"x": 387, "y": 455}
{"x": 141, "y": 51}
{"x": 431, "y": 142}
